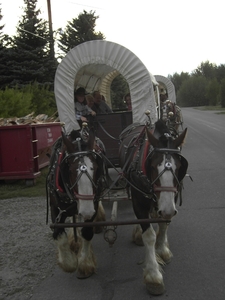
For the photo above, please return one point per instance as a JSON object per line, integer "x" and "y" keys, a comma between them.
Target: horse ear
{"x": 69, "y": 145}
{"x": 152, "y": 140}
{"x": 180, "y": 139}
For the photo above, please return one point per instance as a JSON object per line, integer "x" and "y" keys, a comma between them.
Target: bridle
{"x": 70, "y": 187}
{"x": 167, "y": 168}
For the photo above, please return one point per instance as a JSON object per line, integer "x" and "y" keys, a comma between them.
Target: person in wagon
{"x": 100, "y": 106}
{"x": 82, "y": 110}
{"x": 163, "y": 94}
{"x": 90, "y": 100}
{"x": 127, "y": 101}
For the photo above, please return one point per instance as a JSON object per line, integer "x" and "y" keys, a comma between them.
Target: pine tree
{"x": 78, "y": 31}
{"x": 32, "y": 57}
{"x": 5, "y": 54}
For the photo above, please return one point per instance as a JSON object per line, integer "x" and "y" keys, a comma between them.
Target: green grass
{"x": 15, "y": 189}
{"x": 218, "y": 109}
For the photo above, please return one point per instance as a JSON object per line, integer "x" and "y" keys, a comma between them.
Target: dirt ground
{"x": 27, "y": 250}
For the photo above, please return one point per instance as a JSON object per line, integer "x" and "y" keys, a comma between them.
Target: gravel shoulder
{"x": 27, "y": 250}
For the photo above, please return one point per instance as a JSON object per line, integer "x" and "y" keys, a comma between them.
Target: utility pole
{"x": 52, "y": 51}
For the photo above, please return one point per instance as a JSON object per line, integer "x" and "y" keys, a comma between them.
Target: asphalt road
{"x": 196, "y": 234}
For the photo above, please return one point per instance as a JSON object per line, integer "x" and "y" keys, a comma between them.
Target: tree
{"x": 222, "y": 93}
{"x": 220, "y": 72}
{"x": 212, "y": 92}
{"x": 178, "y": 79}
{"x": 5, "y": 53}
{"x": 119, "y": 88}
{"x": 78, "y": 31}
{"x": 205, "y": 69}
{"x": 32, "y": 59}
{"x": 193, "y": 92}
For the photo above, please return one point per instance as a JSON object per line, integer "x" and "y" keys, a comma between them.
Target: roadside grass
{"x": 218, "y": 109}
{"x": 16, "y": 189}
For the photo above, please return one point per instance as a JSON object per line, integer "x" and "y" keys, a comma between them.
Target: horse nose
{"x": 167, "y": 215}
{"x": 86, "y": 214}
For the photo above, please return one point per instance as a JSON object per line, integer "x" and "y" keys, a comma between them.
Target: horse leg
{"x": 86, "y": 258}
{"x": 137, "y": 235}
{"x": 152, "y": 274}
{"x": 162, "y": 246}
{"x": 100, "y": 216}
{"x": 67, "y": 259}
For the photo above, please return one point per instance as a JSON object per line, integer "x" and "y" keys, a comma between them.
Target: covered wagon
{"x": 93, "y": 65}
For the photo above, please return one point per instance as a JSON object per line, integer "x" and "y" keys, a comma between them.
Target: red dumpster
{"x": 24, "y": 149}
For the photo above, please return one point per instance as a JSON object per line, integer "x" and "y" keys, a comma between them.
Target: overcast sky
{"x": 169, "y": 36}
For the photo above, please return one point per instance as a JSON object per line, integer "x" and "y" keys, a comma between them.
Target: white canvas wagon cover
{"x": 93, "y": 65}
{"x": 167, "y": 83}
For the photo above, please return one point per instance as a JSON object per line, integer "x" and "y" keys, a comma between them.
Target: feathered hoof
{"x": 81, "y": 275}
{"x": 138, "y": 241}
{"x": 167, "y": 261}
{"x": 67, "y": 268}
{"x": 166, "y": 257}
{"x": 155, "y": 288}
{"x": 137, "y": 235}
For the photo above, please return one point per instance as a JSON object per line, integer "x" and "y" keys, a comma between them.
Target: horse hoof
{"x": 155, "y": 288}
{"x": 81, "y": 275}
{"x": 138, "y": 241}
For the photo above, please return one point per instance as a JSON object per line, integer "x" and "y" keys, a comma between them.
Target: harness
{"x": 137, "y": 173}
{"x": 58, "y": 183}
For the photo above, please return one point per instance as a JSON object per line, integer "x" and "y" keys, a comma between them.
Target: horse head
{"x": 84, "y": 171}
{"x": 165, "y": 168}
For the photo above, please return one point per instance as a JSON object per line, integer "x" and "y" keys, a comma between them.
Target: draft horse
{"x": 152, "y": 163}
{"x": 74, "y": 185}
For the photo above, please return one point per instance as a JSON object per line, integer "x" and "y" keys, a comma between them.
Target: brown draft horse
{"x": 154, "y": 169}
{"x": 74, "y": 185}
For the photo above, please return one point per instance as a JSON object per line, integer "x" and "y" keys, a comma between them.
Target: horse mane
{"x": 84, "y": 144}
{"x": 161, "y": 127}
{"x": 74, "y": 135}
{"x": 163, "y": 133}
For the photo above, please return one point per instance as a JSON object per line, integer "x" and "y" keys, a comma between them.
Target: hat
{"x": 80, "y": 91}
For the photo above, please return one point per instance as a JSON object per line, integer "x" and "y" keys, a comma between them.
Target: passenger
{"x": 163, "y": 94}
{"x": 100, "y": 107}
{"x": 127, "y": 100}
{"x": 90, "y": 100}
{"x": 82, "y": 110}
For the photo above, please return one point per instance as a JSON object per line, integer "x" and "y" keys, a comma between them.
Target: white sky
{"x": 168, "y": 35}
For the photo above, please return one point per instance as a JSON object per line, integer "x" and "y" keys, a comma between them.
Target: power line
{"x": 81, "y": 4}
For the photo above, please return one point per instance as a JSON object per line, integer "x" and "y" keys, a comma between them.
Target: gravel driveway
{"x": 27, "y": 250}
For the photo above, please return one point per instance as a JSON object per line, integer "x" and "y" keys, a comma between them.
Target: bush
{"x": 15, "y": 102}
